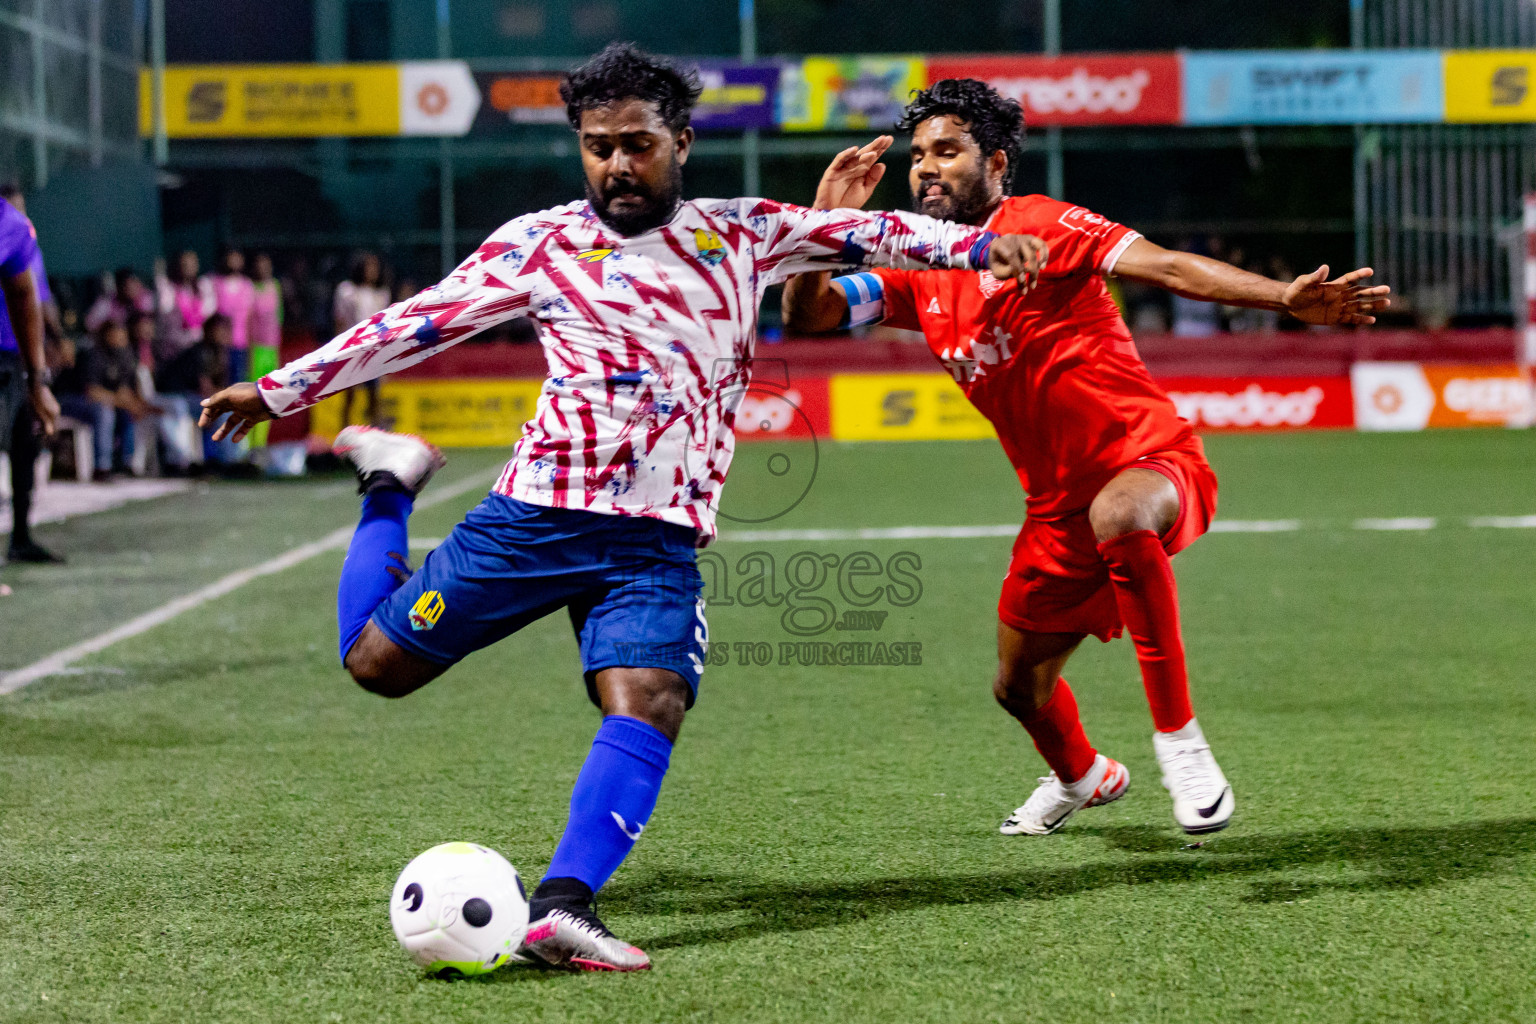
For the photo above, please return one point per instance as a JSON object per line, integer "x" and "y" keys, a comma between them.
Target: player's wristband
{"x": 39, "y": 377}
{"x": 980, "y": 249}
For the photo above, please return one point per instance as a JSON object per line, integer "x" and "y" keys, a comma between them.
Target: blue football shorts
{"x": 630, "y": 583}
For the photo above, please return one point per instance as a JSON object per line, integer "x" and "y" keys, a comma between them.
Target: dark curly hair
{"x": 993, "y": 120}
{"x": 622, "y": 72}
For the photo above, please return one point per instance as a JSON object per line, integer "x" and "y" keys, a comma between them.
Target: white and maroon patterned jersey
{"x": 648, "y": 338}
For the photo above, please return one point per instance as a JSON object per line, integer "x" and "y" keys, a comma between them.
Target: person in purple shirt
{"x": 28, "y": 410}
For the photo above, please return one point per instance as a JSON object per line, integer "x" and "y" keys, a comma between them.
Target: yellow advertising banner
{"x": 1490, "y": 86}
{"x": 903, "y": 407}
{"x": 828, "y": 93}
{"x": 467, "y": 413}
{"x": 219, "y": 101}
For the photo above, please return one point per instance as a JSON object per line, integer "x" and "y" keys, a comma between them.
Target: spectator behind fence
{"x": 103, "y": 392}
{"x": 266, "y": 318}
{"x": 358, "y": 298}
{"x": 185, "y": 302}
{"x": 127, "y": 297}
{"x": 183, "y": 382}
{"x": 235, "y": 297}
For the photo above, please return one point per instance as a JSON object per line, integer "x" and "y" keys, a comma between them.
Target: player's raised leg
{"x": 1030, "y": 688}
{"x": 1130, "y": 517}
{"x": 391, "y": 470}
{"x": 610, "y": 806}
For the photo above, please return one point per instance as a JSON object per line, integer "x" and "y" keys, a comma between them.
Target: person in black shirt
{"x": 107, "y": 396}
{"x": 182, "y": 382}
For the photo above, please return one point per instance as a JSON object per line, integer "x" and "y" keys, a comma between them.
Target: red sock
{"x": 1058, "y": 735}
{"x": 1148, "y": 601}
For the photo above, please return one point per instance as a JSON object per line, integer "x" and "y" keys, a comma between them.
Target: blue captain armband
{"x": 980, "y": 249}
{"x": 866, "y": 299}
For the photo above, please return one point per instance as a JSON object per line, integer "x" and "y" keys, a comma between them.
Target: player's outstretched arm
{"x": 239, "y": 406}
{"x": 463, "y": 304}
{"x": 810, "y": 302}
{"x": 1312, "y": 298}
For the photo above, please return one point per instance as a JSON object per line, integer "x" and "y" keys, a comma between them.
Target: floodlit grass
{"x": 203, "y": 823}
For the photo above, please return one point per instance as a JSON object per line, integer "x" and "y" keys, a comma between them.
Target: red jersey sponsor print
{"x": 648, "y": 338}
{"x": 1054, "y": 369}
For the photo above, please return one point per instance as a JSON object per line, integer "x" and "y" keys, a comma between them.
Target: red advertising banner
{"x": 800, "y": 410}
{"x": 1078, "y": 89}
{"x": 1262, "y": 403}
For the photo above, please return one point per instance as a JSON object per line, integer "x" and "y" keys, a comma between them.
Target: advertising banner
{"x": 834, "y": 93}
{"x": 230, "y": 101}
{"x": 518, "y": 98}
{"x": 1413, "y": 396}
{"x": 801, "y": 410}
{"x": 437, "y": 97}
{"x": 903, "y": 407}
{"x": 448, "y": 412}
{"x": 274, "y": 100}
{"x": 1261, "y": 403}
{"x": 1313, "y": 87}
{"x": 1490, "y": 85}
{"x": 1083, "y": 89}
{"x": 735, "y": 96}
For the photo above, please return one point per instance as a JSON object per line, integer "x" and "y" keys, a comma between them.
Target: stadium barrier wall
{"x": 480, "y": 395}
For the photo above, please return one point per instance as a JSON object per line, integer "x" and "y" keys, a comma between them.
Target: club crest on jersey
{"x": 989, "y": 285}
{"x": 711, "y": 249}
{"x": 427, "y": 610}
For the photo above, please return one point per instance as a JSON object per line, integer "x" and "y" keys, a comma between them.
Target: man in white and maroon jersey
{"x": 647, "y": 307}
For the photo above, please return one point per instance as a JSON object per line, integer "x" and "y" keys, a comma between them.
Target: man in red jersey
{"x": 1117, "y": 482}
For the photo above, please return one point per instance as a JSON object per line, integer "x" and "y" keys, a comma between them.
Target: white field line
{"x": 1504, "y": 522}
{"x": 60, "y": 660}
{"x": 1255, "y": 525}
{"x": 1400, "y": 523}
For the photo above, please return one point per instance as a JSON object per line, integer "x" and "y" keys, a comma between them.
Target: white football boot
{"x": 405, "y": 457}
{"x": 1050, "y": 805}
{"x": 573, "y": 937}
{"x": 1202, "y": 798}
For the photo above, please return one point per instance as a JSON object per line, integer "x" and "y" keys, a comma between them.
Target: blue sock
{"x": 365, "y": 577}
{"x": 613, "y": 799}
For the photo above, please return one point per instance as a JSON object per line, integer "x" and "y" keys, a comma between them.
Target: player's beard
{"x": 967, "y": 204}
{"x": 655, "y": 208}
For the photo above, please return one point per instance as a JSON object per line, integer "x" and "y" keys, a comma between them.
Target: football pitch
{"x": 202, "y": 822}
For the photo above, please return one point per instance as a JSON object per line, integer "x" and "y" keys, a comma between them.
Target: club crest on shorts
{"x": 427, "y": 610}
{"x": 711, "y": 249}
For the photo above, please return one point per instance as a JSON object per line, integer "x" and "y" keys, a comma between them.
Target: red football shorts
{"x": 1058, "y": 583}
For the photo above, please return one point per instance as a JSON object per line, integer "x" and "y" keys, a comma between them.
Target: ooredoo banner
{"x": 1083, "y": 89}
{"x": 1261, "y": 403}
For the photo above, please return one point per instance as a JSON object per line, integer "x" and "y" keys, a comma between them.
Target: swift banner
{"x": 1083, "y": 89}
{"x": 234, "y": 101}
{"x": 1313, "y": 87}
{"x": 832, "y": 93}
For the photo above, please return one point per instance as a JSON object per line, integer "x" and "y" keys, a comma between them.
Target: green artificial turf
{"x": 203, "y": 823}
